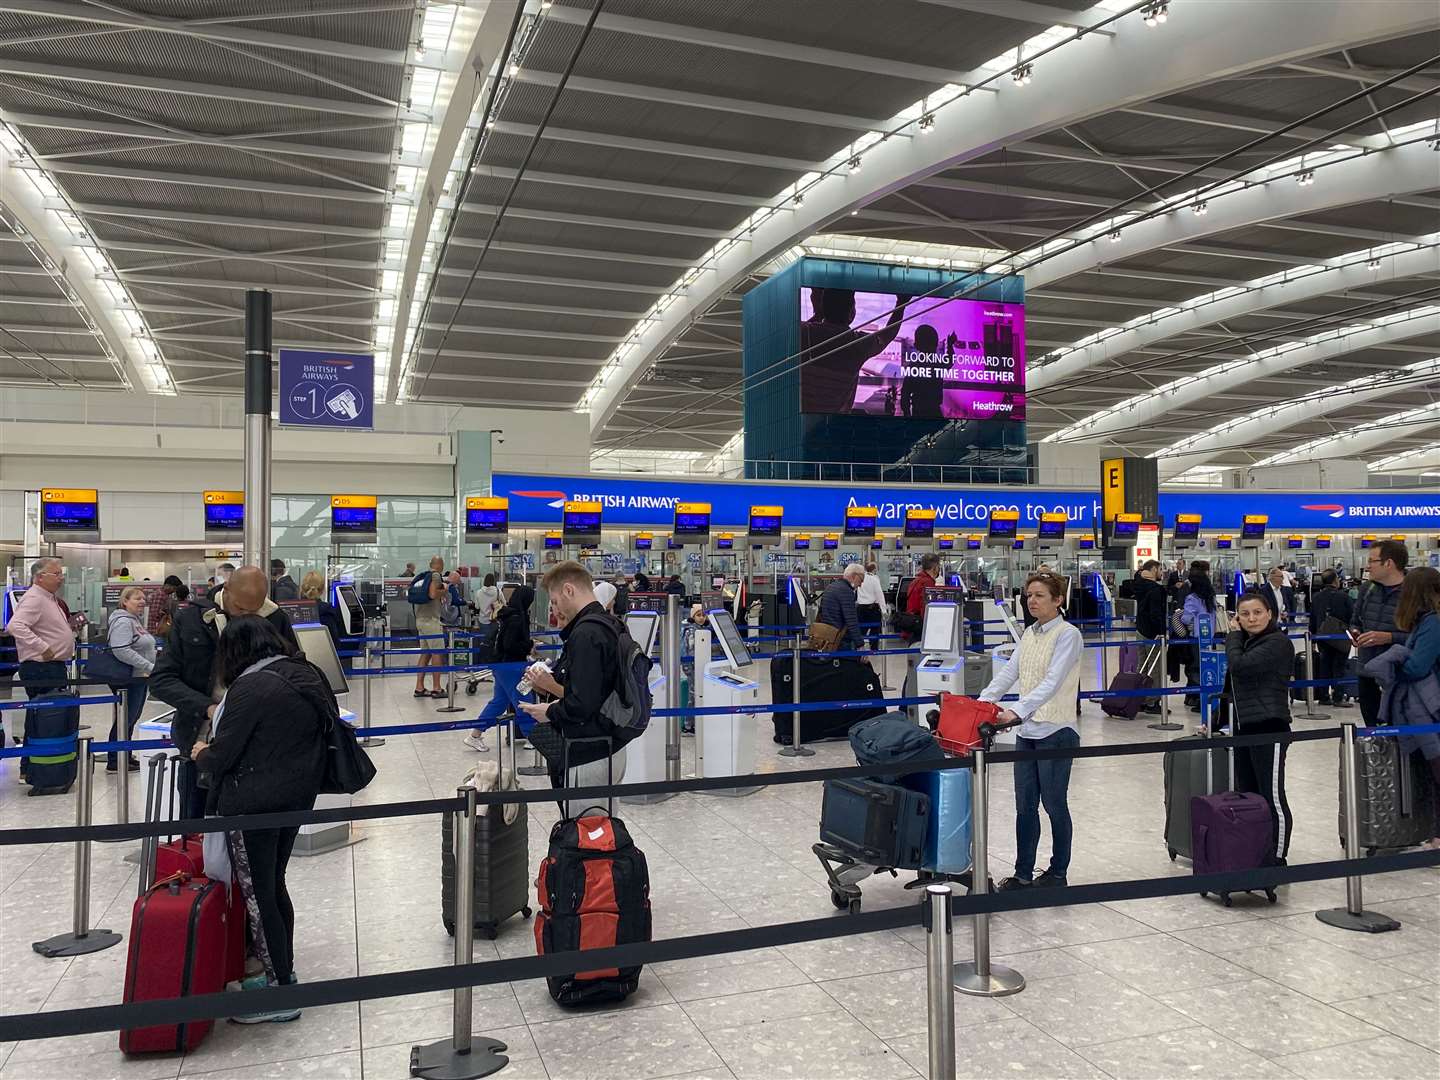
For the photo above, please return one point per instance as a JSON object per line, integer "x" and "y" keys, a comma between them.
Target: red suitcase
{"x": 183, "y": 856}
{"x": 180, "y": 936}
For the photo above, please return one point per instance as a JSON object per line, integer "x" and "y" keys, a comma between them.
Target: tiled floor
{"x": 1144, "y": 989}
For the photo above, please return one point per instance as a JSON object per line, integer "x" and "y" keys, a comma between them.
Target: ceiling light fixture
{"x": 419, "y": 50}
{"x": 1201, "y": 209}
{"x": 799, "y": 199}
{"x": 854, "y": 213}
{"x": 1023, "y": 74}
{"x": 1306, "y": 178}
{"x": 1115, "y": 237}
{"x": 1374, "y": 263}
{"x": 927, "y": 122}
{"x": 514, "y": 70}
{"x": 853, "y": 164}
{"x": 1156, "y": 14}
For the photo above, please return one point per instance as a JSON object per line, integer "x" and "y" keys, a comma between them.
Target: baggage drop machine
{"x": 944, "y": 666}
{"x": 725, "y": 743}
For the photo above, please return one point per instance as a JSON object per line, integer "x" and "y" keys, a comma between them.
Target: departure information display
{"x": 692, "y": 522}
{"x": 1004, "y": 526}
{"x": 860, "y": 522}
{"x": 224, "y": 515}
{"x": 581, "y": 522}
{"x": 353, "y": 518}
{"x": 69, "y": 514}
{"x": 1052, "y": 527}
{"x": 765, "y": 522}
{"x": 486, "y": 518}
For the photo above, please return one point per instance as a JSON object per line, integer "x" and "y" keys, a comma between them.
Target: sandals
{"x": 422, "y": 693}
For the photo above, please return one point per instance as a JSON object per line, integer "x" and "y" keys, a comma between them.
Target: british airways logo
{"x": 555, "y": 499}
{"x": 1335, "y": 510}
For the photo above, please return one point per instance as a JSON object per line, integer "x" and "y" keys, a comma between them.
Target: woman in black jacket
{"x": 512, "y": 646}
{"x": 1259, "y": 658}
{"x": 266, "y": 753}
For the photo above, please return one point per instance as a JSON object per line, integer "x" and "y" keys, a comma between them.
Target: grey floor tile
{"x": 1419, "y": 910}
{"x": 1037, "y": 964}
{"x": 1009, "y": 1048}
{"x": 893, "y": 1005}
{"x": 1172, "y": 913}
{"x": 1193, "y": 1051}
{"x": 1324, "y": 972}
{"x": 1270, "y": 1019}
{"x": 733, "y": 979}
{"x": 830, "y": 1045}
{"x": 858, "y": 954}
{"x": 432, "y": 1022}
{"x": 1411, "y": 940}
{"x": 1387, "y": 1058}
{"x": 638, "y": 1044}
{"x": 102, "y": 1065}
{"x": 1157, "y": 963}
{"x": 1239, "y": 937}
{"x": 1080, "y": 1009}
{"x": 760, "y": 1006}
{"x": 332, "y": 1029}
{"x": 1077, "y": 925}
{"x": 344, "y": 1066}
{"x": 1411, "y": 1014}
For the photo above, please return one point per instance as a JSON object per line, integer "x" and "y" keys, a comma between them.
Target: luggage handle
{"x": 609, "y": 765}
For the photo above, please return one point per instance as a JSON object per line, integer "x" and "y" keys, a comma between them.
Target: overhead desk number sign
{"x": 327, "y": 389}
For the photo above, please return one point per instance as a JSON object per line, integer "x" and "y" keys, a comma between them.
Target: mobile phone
{"x": 1352, "y": 635}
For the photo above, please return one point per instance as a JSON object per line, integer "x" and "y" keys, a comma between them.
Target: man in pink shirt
{"x": 43, "y": 638}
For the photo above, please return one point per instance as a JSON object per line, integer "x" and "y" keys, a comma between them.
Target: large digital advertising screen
{"x": 878, "y": 354}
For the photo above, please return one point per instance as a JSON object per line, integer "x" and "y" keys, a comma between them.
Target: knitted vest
{"x": 1036, "y": 649}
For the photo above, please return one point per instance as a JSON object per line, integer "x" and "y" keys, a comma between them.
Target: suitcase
{"x": 1129, "y": 659}
{"x": 50, "y": 733}
{"x": 880, "y": 824}
{"x": 593, "y": 892}
{"x": 1190, "y": 770}
{"x": 502, "y": 869}
{"x": 1395, "y": 796}
{"x": 882, "y": 740}
{"x": 1231, "y": 831}
{"x": 979, "y": 671}
{"x": 1126, "y": 708}
{"x": 1297, "y": 673}
{"x": 822, "y": 679}
{"x": 179, "y": 934}
{"x": 947, "y": 831}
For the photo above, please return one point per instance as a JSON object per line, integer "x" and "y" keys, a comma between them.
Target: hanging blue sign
{"x": 327, "y": 389}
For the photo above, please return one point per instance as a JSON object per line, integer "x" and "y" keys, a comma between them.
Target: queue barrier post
{"x": 1162, "y": 679}
{"x": 1353, "y": 915}
{"x": 1309, "y": 669}
{"x": 979, "y": 977}
{"x": 940, "y": 999}
{"x": 450, "y": 706}
{"x": 796, "y": 748}
{"x": 462, "y": 1056}
{"x": 81, "y": 940}
{"x": 365, "y": 694}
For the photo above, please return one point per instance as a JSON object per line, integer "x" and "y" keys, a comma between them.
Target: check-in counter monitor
{"x": 352, "y": 612}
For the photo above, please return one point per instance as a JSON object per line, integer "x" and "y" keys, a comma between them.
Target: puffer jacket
{"x": 1258, "y": 673}
{"x": 1404, "y": 701}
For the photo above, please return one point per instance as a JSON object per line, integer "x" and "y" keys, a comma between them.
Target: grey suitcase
{"x": 502, "y": 869}
{"x": 1395, "y": 796}
{"x": 979, "y": 670}
{"x": 1190, "y": 770}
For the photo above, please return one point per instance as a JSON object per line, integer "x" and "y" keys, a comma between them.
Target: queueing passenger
{"x": 870, "y": 604}
{"x": 675, "y": 586}
{"x": 1417, "y": 614}
{"x": 642, "y": 582}
{"x": 1199, "y": 600}
{"x": 487, "y": 602}
{"x": 282, "y": 585}
{"x": 1331, "y": 657}
{"x": 40, "y": 626}
{"x": 1149, "y": 596}
{"x": 429, "y": 627}
{"x": 1374, "y": 618}
{"x": 1259, "y": 657}
{"x": 266, "y": 754}
{"x": 185, "y": 674}
{"x": 512, "y": 646}
{"x": 132, "y": 644}
{"x": 584, "y": 676}
{"x": 913, "y": 603}
{"x": 1045, "y": 669}
{"x": 1280, "y": 596}
{"x": 312, "y": 587}
{"x": 838, "y": 609}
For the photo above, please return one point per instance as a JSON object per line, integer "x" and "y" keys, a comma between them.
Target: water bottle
{"x": 524, "y": 686}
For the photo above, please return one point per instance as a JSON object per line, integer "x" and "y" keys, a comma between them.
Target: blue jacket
{"x": 1424, "y": 643}
{"x": 1405, "y": 701}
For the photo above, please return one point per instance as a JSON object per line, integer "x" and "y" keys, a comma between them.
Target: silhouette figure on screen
{"x": 833, "y": 354}
{"x": 925, "y": 366}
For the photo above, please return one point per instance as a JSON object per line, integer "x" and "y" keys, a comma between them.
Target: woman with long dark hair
{"x": 1259, "y": 658}
{"x": 1199, "y": 600}
{"x": 266, "y": 753}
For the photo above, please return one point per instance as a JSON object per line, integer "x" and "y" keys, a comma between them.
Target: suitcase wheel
{"x": 525, "y": 912}
{"x": 488, "y": 930}
{"x": 1270, "y": 895}
{"x": 472, "y": 689}
{"x": 839, "y": 899}
{"x": 1226, "y": 898}
{"x": 1173, "y": 853}
{"x": 855, "y": 905}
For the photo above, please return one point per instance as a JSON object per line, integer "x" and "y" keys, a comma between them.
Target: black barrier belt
{"x": 49, "y": 1025}
{"x": 1162, "y": 747}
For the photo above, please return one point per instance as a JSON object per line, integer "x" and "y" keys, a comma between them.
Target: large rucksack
{"x": 882, "y": 740}
{"x": 419, "y": 591}
{"x": 626, "y": 710}
{"x": 593, "y": 892}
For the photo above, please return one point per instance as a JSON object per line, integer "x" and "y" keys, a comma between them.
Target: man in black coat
{"x": 1150, "y": 619}
{"x": 1331, "y": 656}
{"x": 184, "y": 675}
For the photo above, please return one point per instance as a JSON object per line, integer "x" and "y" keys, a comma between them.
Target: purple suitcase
{"x": 1129, "y": 657}
{"x": 1125, "y": 708}
{"x": 1231, "y": 831}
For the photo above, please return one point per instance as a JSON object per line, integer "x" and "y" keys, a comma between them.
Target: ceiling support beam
{"x": 654, "y": 146}
{"x": 598, "y": 183}
{"x": 1019, "y": 10}
{"x": 153, "y": 213}
{"x": 665, "y": 228}
{"x": 227, "y": 183}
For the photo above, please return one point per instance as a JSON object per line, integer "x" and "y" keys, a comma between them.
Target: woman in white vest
{"x": 1046, "y": 668}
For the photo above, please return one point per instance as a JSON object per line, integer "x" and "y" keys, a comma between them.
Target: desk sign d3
{"x": 325, "y": 389}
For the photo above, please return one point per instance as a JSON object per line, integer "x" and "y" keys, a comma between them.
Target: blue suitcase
{"x": 947, "y": 832}
{"x": 879, "y": 824}
{"x": 50, "y": 733}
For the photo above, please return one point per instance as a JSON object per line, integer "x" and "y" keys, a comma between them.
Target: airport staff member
{"x": 870, "y": 604}
{"x": 40, "y": 625}
{"x": 1374, "y": 618}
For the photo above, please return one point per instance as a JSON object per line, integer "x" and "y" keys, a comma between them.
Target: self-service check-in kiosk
{"x": 318, "y": 647}
{"x": 725, "y": 744}
{"x": 944, "y": 666}
{"x": 352, "y": 612}
{"x": 645, "y": 757}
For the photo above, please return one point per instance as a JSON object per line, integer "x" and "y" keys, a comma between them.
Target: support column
{"x": 258, "y": 397}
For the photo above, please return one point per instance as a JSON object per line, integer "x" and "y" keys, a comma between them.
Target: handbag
{"x": 906, "y": 622}
{"x": 961, "y": 719}
{"x": 824, "y": 637}
{"x": 348, "y": 769}
{"x": 104, "y": 666}
{"x": 1333, "y": 624}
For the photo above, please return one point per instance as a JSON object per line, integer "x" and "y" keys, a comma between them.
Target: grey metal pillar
{"x": 980, "y": 977}
{"x": 670, "y": 664}
{"x": 258, "y": 396}
{"x": 796, "y": 747}
{"x": 1162, "y": 680}
{"x": 1353, "y": 915}
{"x": 940, "y": 998}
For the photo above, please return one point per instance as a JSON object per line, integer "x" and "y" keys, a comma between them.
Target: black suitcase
{"x": 823, "y": 679}
{"x": 502, "y": 869}
{"x": 1190, "y": 771}
{"x": 875, "y": 823}
{"x": 50, "y": 734}
{"x": 1297, "y": 674}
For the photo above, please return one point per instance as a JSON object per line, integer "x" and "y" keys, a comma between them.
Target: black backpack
{"x": 486, "y": 645}
{"x": 627, "y": 708}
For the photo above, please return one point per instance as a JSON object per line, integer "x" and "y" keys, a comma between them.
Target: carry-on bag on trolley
{"x": 50, "y": 734}
{"x": 502, "y": 860}
{"x": 1231, "y": 831}
{"x": 1395, "y": 795}
{"x": 836, "y": 678}
{"x": 1190, "y": 769}
{"x": 876, "y": 823}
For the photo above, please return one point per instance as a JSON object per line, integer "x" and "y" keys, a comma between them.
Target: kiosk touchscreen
{"x": 319, "y": 649}
{"x": 944, "y": 666}
{"x": 725, "y": 743}
{"x": 644, "y": 628}
{"x": 352, "y": 613}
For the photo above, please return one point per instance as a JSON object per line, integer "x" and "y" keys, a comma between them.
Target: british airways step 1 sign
{"x": 327, "y": 389}
{"x": 538, "y": 500}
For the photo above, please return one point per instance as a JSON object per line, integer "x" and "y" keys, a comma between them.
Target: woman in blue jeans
{"x": 1046, "y": 671}
{"x": 512, "y": 646}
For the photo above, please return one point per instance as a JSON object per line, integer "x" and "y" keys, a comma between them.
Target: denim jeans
{"x": 139, "y": 691}
{"x": 1048, "y": 782}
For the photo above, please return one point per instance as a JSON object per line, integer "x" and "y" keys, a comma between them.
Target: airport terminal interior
{"x": 970, "y": 468}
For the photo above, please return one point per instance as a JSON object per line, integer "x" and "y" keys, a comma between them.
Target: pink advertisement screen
{"x": 877, "y": 354}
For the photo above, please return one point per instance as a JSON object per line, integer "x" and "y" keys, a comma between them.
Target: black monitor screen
{"x": 70, "y": 517}
{"x": 764, "y": 525}
{"x": 225, "y": 517}
{"x": 1366, "y": 541}
{"x": 1052, "y": 530}
{"x": 1121, "y": 529}
{"x": 581, "y": 525}
{"x": 972, "y": 544}
{"x": 860, "y": 525}
{"x": 1004, "y": 528}
{"x": 725, "y": 543}
{"x": 1323, "y": 543}
{"x": 554, "y": 541}
{"x": 644, "y": 543}
{"x": 1252, "y": 530}
{"x": 919, "y": 528}
{"x": 1224, "y": 543}
{"x": 802, "y": 543}
{"x": 671, "y": 544}
{"x": 352, "y": 519}
{"x": 1186, "y": 530}
{"x": 945, "y": 544}
{"x": 487, "y": 521}
{"x": 830, "y": 543}
{"x": 692, "y": 525}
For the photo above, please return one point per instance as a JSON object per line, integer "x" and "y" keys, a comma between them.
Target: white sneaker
{"x": 476, "y": 741}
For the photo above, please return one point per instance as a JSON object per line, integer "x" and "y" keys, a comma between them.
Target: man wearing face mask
{"x": 184, "y": 674}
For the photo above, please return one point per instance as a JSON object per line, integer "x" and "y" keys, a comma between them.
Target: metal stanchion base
{"x": 451, "y": 708}
{"x": 1370, "y": 922}
{"x": 1001, "y": 982}
{"x": 1317, "y": 716}
{"x": 1164, "y": 725}
{"x": 367, "y": 741}
{"x": 71, "y": 945}
{"x": 797, "y": 751}
{"x": 439, "y": 1061}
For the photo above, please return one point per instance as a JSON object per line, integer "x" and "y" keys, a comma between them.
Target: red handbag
{"x": 960, "y": 718}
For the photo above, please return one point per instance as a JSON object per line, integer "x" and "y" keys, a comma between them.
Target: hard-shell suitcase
{"x": 502, "y": 869}
{"x": 947, "y": 828}
{"x": 1127, "y": 707}
{"x": 1190, "y": 770}
{"x": 1231, "y": 831}
{"x": 179, "y": 935}
{"x": 1395, "y": 796}
{"x": 594, "y": 892}
{"x": 880, "y": 824}
{"x": 50, "y": 734}
{"x": 979, "y": 671}
{"x": 823, "y": 679}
